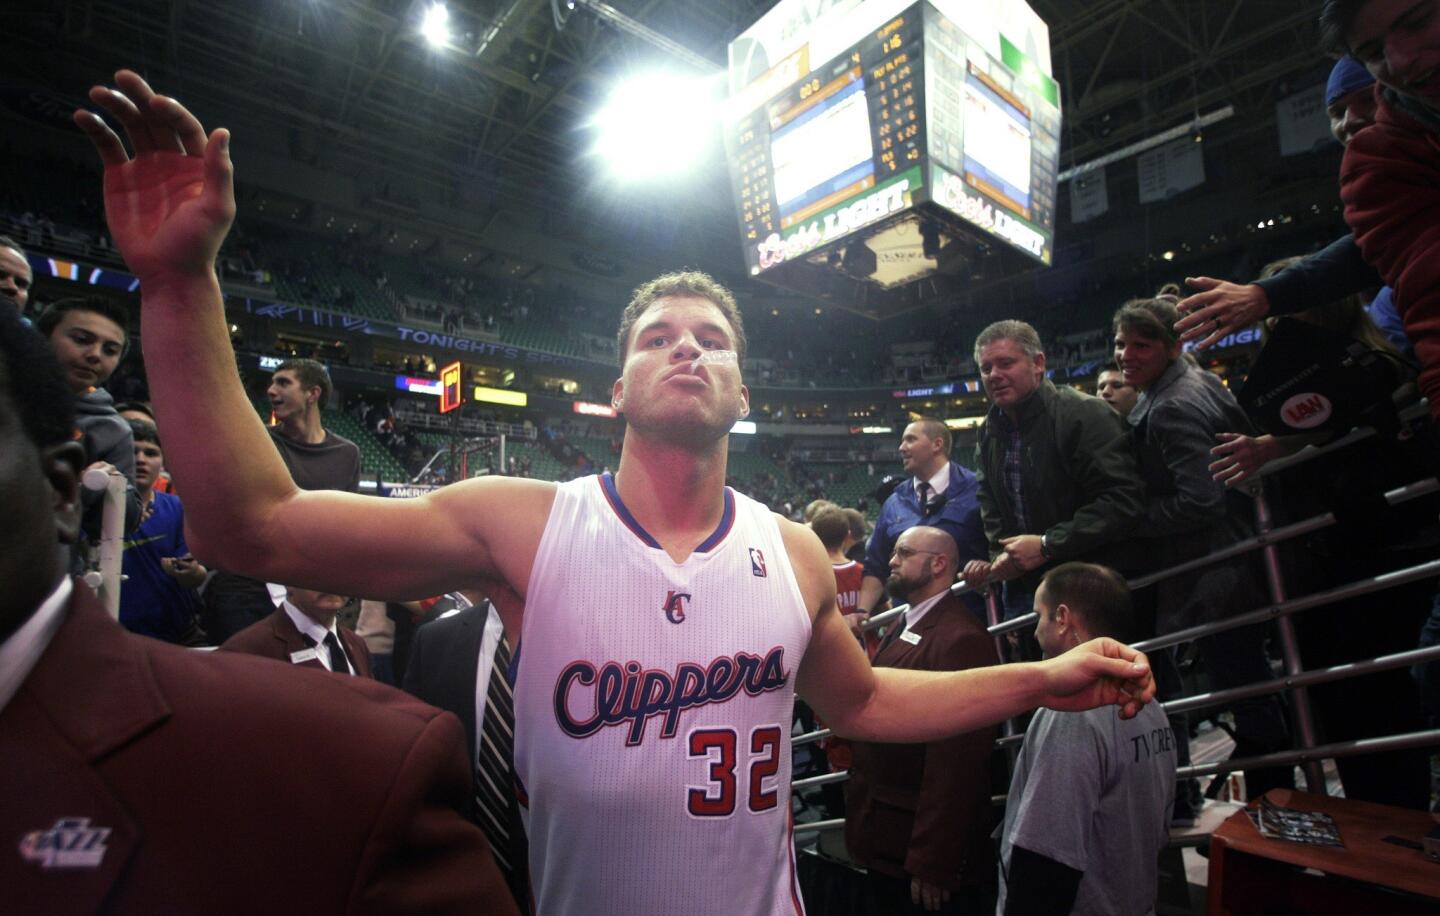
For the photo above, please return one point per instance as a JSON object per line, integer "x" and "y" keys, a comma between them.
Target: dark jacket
{"x": 443, "y": 665}
{"x": 923, "y": 810}
{"x": 276, "y": 637}
{"x": 1082, "y": 488}
{"x": 1189, "y": 513}
{"x": 229, "y": 784}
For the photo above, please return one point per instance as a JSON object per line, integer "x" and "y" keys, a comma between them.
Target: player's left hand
{"x": 931, "y": 897}
{"x": 1024, "y": 550}
{"x": 1101, "y": 672}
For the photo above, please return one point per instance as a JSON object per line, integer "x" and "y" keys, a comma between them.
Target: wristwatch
{"x": 1045, "y": 547}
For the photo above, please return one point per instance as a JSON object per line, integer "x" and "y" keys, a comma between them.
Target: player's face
{"x": 1398, "y": 41}
{"x": 288, "y": 398}
{"x": 1143, "y": 360}
{"x": 89, "y": 347}
{"x": 1009, "y": 375}
{"x": 658, "y": 393}
{"x": 14, "y": 277}
{"x": 1115, "y": 392}
{"x": 1352, "y": 113}
{"x": 149, "y": 462}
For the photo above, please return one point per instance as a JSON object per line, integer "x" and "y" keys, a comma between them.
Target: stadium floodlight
{"x": 659, "y": 124}
{"x": 435, "y": 26}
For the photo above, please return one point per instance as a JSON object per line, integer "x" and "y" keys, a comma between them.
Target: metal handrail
{"x": 1427, "y": 738}
{"x": 1394, "y": 497}
{"x": 1354, "y": 589}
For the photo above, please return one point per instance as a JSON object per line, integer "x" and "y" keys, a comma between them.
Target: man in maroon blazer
{"x": 303, "y": 631}
{"x": 918, "y": 815}
{"x": 141, "y": 777}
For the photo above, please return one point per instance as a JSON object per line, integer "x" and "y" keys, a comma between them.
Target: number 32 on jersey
{"x": 720, "y": 747}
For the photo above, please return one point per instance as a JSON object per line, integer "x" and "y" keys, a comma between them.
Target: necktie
{"x": 338, "y": 662}
{"x": 494, "y": 785}
{"x": 926, "y": 491}
{"x": 893, "y": 633}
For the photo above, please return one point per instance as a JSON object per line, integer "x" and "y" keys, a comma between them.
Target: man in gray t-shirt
{"x": 1089, "y": 805}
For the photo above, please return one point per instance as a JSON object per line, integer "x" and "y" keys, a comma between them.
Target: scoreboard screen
{"x": 835, "y": 150}
{"x": 844, "y": 113}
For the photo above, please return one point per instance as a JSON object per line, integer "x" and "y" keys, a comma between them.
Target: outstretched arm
{"x": 169, "y": 207}
{"x": 896, "y": 705}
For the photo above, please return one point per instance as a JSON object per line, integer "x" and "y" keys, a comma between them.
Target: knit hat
{"x": 1349, "y": 74}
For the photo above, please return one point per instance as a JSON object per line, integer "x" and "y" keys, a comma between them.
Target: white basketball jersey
{"x": 653, "y": 703}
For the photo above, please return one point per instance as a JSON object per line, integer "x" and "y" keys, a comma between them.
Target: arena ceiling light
{"x": 659, "y": 124}
{"x": 435, "y": 25}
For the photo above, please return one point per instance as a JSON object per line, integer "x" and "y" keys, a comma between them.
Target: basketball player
{"x": 662, "y": 621}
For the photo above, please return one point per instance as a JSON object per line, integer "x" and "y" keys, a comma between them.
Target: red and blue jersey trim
{"x": 612, "y": 496}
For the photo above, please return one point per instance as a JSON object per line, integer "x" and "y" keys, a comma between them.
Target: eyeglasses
{"x": 905, "y": 553}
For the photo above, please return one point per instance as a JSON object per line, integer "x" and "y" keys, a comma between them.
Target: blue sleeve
{"x": 1333, "y": 272}
{"x": 877, "y": 552}
{"x": 182, "y": 549}
{"x": 961, "y": 520}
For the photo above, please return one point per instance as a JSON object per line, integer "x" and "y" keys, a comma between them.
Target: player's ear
{"x": 744, "y": 402}
{"x": 617, "y": 395}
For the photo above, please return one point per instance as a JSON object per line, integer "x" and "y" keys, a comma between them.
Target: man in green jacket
{"x": 1056, "y": 470}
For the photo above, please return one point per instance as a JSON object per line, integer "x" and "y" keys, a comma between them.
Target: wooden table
{"x": 1250, "y": 873}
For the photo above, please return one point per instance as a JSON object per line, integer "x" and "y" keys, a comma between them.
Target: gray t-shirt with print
{"x": 1094, "y": 792}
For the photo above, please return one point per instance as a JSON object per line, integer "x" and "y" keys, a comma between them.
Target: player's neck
{"x": 838, "y": 558}
{"x": 675, "y": 493}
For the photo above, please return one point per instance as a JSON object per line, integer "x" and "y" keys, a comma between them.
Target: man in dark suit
{"x": 303, "y": 631}
{"x": 141, "y": 777}
{"x": 459, "y": 662}
{"x": 918, "y": 815}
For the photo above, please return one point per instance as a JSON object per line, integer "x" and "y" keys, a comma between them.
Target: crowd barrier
{"x": 1308, "y": 754}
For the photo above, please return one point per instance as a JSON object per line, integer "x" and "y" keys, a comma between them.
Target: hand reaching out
{"x": 1219, "y": 309}
{"x": 170, "y": 206}
{"x": 1237, "y": 457}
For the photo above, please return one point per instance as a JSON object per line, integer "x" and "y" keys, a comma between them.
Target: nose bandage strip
{"x": 714, "y": 358}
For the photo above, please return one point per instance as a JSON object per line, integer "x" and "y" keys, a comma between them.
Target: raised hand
{"x": 170, "y": 206}
{"x": 1101, "y": 672}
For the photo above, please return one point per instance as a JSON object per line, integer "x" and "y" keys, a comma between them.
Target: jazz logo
{"x": 71, "y": 843}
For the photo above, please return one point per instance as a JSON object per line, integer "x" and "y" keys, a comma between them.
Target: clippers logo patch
{"x": 675, "y": 606}
{"x": 757, "y": 563}
{"x": 71, "y": 843}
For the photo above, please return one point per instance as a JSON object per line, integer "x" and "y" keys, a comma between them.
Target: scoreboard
{"x": 846, "y": 115}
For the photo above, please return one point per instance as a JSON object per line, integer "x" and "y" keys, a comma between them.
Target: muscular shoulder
{"x": 811, "y": 564}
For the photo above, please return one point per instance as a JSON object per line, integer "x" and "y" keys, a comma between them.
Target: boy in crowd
{"x": 158, "y": 598}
